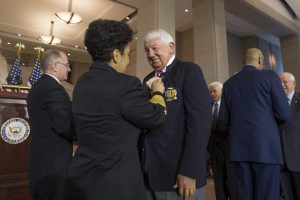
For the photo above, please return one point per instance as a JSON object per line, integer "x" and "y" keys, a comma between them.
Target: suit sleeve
{"x": 197, "y": 105}
{"x": 58, "y": 107}
{"x": 136, "y": 107}
{"x": 280, "y": 104}
{"x": 224, "y": 118}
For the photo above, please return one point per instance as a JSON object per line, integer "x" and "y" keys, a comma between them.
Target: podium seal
{"x": 15, "y": 130}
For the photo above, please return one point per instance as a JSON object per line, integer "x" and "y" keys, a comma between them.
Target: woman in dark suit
{"x": 109, "y": 110}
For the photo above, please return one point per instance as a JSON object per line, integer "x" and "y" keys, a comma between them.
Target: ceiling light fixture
{"x": 50, "y": 39}
{"x": 69, "y": 17}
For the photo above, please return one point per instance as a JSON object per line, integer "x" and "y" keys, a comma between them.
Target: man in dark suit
{"x": 218, "y": 146}
{"x": 290, "y": 135}
{"x": 49, "y": 109}
{"x": 253, "y": 105}
{"x": 176, "y": 152}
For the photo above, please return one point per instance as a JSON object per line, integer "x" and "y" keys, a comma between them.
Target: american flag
{"x": 35, "y": 74}
{"x": 15, "y": 75}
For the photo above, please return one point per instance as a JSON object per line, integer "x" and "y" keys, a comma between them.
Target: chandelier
{"x": 50, "y": 39}
{"x": 69, "y": 17}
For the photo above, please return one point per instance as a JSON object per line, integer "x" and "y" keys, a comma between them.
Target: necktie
{"x": 289, "y": 101}
{"x": 159, "y": 74}
{"x": 215, "y": 116}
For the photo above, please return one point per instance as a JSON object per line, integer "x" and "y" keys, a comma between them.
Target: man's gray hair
{"x": 215, "y": 84}
{"x": 161, "y": 34}
{"x": 49, "y": 57}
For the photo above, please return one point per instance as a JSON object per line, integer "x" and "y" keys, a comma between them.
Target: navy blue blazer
{"x": 291, "y": 136}
{"x": 253, "y": 105}
{"x": 179, "y": 145}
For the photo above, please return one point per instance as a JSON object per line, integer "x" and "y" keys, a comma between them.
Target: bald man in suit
{"x": 253, "y": 106}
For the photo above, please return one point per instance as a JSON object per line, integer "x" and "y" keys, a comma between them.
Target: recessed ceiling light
{"x": 9, "y": 43}
{"x": 186, "y": 10}
{"x": 69, "y": 54}
{"x": 19, "y": 34}
{"x": 136, "y": 38}
{"x": 127, "y": 18}
{"x": 76, "y": 46}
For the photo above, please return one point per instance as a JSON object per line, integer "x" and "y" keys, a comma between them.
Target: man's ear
{"x": 171, "y": 47}
{"x": 116, "y": 56}
{"x": 54, "y": 67}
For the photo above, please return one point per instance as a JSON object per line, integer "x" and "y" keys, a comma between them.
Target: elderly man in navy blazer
{"x": 253, "y": 106}
{"x": 176, "y": 155}
{"x": 290, "y": 135}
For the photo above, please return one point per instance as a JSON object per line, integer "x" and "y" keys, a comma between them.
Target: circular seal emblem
{"x": 15, "y": 130}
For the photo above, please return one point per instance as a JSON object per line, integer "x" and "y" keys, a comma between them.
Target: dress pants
{"x": 220, "y": 168}
{"x": 255, "y": 181}
{"x": 290, "y": 184}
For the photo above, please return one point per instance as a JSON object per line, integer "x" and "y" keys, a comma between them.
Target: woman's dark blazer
{"x": 109, "y": 110}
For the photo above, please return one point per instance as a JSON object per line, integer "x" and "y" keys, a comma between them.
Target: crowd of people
{"x": 152, "y": 140}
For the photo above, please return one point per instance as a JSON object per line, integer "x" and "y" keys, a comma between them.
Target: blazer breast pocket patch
{"x": 170, "y": 94}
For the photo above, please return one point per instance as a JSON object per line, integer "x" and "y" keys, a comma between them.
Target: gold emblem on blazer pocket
{"x": 170, "y": 94}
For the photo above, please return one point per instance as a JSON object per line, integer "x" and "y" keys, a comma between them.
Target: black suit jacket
{"x": 49, "y": 109}
{"x": 291, "y": 136}
{"x": 179, "y": 145}
{"x": 109, "y": 110}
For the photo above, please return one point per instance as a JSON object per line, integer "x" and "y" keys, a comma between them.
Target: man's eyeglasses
{"x": 66, "y": 65}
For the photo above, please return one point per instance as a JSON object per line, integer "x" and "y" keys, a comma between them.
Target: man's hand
{"x": 186, "y": 186}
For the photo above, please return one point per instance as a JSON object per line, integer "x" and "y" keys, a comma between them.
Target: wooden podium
{"x": 14, "y": 143}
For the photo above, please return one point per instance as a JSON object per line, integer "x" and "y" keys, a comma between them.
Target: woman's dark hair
{"x": 104, "y": 36}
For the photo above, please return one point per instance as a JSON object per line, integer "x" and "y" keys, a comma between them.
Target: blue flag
{"x": 15, "y": 75}
{"x": 35, "y": 74}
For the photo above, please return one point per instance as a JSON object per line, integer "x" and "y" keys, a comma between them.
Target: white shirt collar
{"x": 53, "y": 77}
{"x": 290, "y": 96}
{"x": 169, "y": 63}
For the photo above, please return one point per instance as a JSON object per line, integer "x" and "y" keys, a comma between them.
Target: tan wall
{"x": 185, "y": 45}
{"x": 235, "y": 53}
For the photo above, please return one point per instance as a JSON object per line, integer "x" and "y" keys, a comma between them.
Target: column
{"x": 3, "y": 67}
{"x": 152, "y": 14}
{"x": 210, "y": 43}
{"x": 290, "y": 50}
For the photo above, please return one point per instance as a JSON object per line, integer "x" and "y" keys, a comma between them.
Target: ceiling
{"x": 31, "y": 18}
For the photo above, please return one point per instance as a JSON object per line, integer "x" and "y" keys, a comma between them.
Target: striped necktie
{"x": 215, "y": 116}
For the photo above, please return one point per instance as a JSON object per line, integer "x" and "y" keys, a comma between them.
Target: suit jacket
{"x": 49, "y": 109}
{"x": 179, "y": 146}
{"x": 218, "y": 136}
{"x": 291, "y": 136}
{"x": 109, "y": 110}
{"x": 253, "y": 105}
